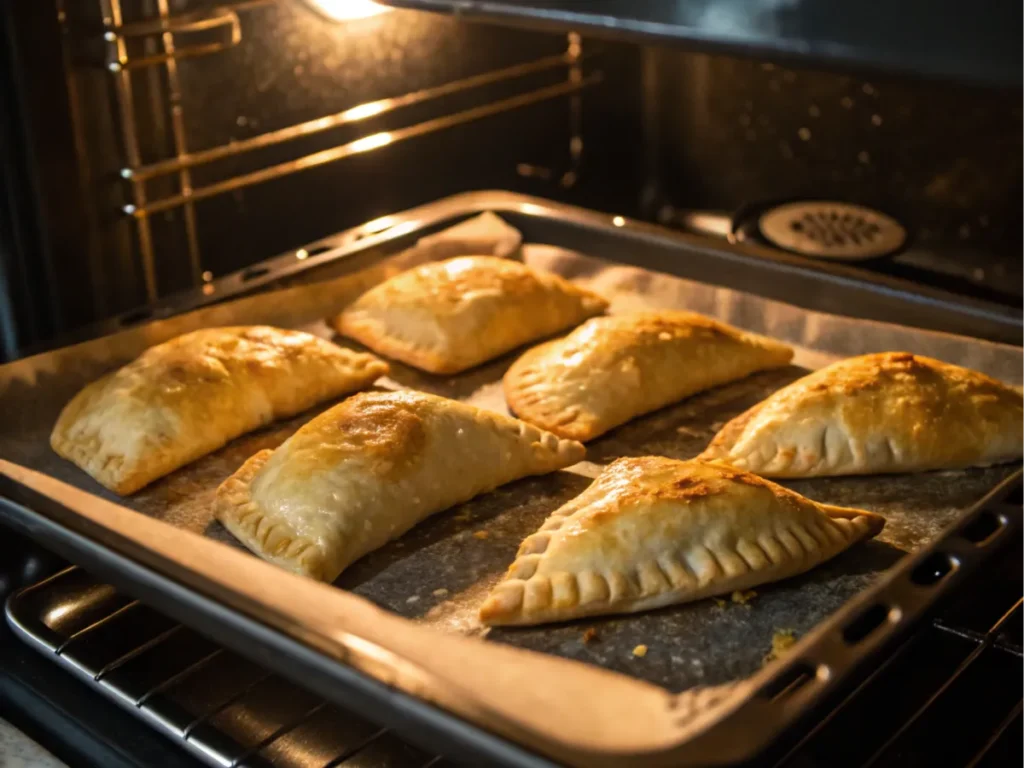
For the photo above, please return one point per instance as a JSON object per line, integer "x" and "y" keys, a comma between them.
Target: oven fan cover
{"x": 832, "y": 230}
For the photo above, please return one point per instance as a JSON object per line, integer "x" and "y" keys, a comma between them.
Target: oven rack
{"x": 222, "y": 708}
{"x": 160, "y": 38}
{"x": 229, "y": 711}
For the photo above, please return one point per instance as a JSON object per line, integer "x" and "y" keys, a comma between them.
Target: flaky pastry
{"x": 369, "y": 469}
{"x": 448, "y": 316}
{"x": 880, "y": 413}
{"x": 612, "y": 369}
{"x": 189, "y": 396}
{"x": 653, "y": 531}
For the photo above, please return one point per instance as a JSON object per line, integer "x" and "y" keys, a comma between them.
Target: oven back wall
{"x": 292, "y": 65}
{"x": 943, "y": 158}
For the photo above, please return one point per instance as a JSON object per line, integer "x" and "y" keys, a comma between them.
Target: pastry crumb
{"x": 689, "y": 432}
{"x": 743, "y": 598}
{"x": 589, "y": 635}
{"x": 413, "y": 599}
{"x": 442, "y": 592}
{"x": 640, "y": 651}
{"x": 720, "y": 602}
{"x": 481, "y": 535}
{"x": 782, "y": 641}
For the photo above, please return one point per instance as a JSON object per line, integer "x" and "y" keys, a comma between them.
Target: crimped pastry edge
{"x": 563, "y": 423}
{"x": 566, "y": 422}
{"x": 505, "y": 605}
{"x": 237, "y": 511}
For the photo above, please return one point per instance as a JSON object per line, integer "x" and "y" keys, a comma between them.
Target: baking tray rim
{"x": 1005, "y": 324}
{"x": 426, "y": 714}
{"x": 749, "y": 717}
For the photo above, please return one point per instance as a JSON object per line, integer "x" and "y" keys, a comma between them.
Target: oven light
{"x": 618, "y": 221}
{"x": 348, "y": 10}
{"x": 373, "y": 141}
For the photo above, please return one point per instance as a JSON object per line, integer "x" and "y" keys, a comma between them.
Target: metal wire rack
{"x": 228, "y": 711}
{"x": 166, "y": 38}
{"x": 221, "y": 707}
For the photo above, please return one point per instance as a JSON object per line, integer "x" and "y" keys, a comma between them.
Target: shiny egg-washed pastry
{"x": 612, "y": 369}
{"x": 448, "y": 316}
{"x": 880, "y": 413}
{"x": 652, "y": 531}
{"x": 369, "y": 469}
{"x": 189, "y": 396}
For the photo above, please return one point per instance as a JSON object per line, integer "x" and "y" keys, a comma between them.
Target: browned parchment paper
{"x": 439, "y": 572}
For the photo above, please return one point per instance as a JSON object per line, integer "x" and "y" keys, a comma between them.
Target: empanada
{"x": 448, "y": 316}
{"x": 189, "y": 396}
{"x": 881, "y": 413}
{"x": 652, "y": 531}
{"x": 614, "y": 368}
{"x": 369, "y": 469}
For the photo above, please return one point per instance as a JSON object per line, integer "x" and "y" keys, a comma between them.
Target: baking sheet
{"x": 439, "y": 572}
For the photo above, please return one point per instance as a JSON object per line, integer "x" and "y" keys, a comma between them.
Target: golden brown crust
{"x": 652, "y": 531}
{"x": 612, "y": 369}
{"x": 880, "y": 413}
{"x": 189, "y": 396}
{"x": 367, "y": 470}
{"x": 448, "y": 316}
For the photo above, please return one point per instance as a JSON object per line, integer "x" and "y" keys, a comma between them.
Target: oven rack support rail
{"x": 163, "y": 35}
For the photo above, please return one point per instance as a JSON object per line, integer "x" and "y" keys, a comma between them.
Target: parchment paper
{"x": 440, "y": 571}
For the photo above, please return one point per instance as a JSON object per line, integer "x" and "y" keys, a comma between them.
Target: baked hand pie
{"x": 369, "y": 469}
{"x": 614, "y": 368}
{"x": 652, "y": 531}
{"x": 881, "y": 413}
{"x": 189, "y": 396}
{"x": 448, "y": 316}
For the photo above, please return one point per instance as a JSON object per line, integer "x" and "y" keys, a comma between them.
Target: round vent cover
{"x": 831, "y": 230}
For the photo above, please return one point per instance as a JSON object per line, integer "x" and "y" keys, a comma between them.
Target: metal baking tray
{"x": 507, "y": 710}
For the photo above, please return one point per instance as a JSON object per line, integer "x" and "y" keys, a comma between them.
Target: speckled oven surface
{"x": 440, "y": 571}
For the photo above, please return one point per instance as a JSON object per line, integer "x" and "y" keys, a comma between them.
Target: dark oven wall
{"x": 644, "y": 131}
{"x": 942, "y": 158}
{"x": 247, "y": 68}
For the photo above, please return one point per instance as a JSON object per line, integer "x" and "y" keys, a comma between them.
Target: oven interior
{"x": 157, "y": 145}
{"x": 153, "y": 147}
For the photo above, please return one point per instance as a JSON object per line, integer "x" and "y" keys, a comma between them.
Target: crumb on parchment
{"x": 720, "y": 602}
{"x": 589, "y": 635}
{"x": 442, "y": 592}
{"x": 480, "y": 535}
{"x": 413, "y": 599}
{"x": 640, "y": 651}
{"x": 743, "y": 598}
{"x": 782, "y": 641}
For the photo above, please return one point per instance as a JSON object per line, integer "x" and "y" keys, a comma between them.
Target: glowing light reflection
{"x": 373, "y": 141}
{"x": 348, "y": 10}
{"x": 363, "y": 111}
